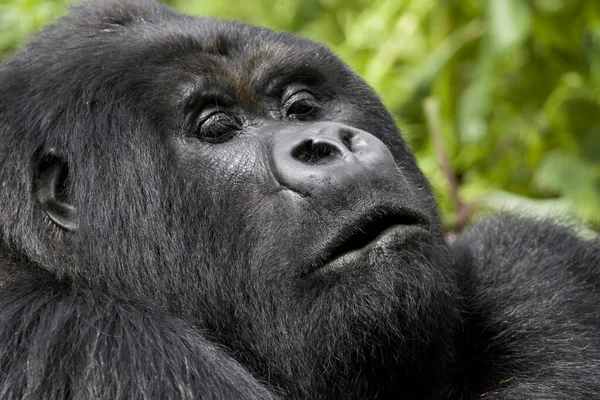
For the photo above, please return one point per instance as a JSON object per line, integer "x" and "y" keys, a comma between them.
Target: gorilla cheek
{"x": 235, "y": 167}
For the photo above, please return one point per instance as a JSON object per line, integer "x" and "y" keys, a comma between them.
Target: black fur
{"x": 203, "y": 263}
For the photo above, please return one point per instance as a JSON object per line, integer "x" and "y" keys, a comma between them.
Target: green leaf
{"x": 577, "y": 181}
{"x": 509, "y": 23}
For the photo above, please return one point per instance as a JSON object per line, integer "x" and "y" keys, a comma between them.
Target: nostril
{"x": 313, "y": 151}
{"x": 346, "y": 137}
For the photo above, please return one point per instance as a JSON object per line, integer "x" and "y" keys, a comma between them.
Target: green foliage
{"x": 19, "y": 18}
{"x": 512, "y": 87}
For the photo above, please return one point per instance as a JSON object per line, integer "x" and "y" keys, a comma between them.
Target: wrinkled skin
{"x": 194, "y": 208}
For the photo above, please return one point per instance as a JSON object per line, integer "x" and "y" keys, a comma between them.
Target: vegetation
{"x": 500, "y": 99}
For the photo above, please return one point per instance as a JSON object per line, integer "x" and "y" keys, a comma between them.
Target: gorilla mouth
{"x": 366, "y": 231}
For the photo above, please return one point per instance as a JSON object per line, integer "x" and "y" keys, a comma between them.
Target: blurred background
{"x": 500, "y": 99}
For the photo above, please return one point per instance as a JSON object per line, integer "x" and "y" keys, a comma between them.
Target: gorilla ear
{"x": 51, "y": 190}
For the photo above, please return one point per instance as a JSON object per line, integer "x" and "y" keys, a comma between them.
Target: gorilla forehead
{"x": 146, "y": 41}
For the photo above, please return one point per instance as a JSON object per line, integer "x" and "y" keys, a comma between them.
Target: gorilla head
{"x": 244, "y": 180}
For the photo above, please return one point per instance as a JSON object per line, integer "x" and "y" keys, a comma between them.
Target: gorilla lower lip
{"x": 392, "y": 235}
{"x": 368, "y": 231}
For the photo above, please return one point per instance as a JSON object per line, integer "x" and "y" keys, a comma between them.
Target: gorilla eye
{"x": 217, "y": 125}
{"x": 301, "y": 105}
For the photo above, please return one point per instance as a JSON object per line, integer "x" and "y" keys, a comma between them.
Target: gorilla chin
{"x": 194, "y": 208}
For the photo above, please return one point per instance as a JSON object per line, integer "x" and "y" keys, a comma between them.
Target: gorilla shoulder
{"x": 531, "y": 309}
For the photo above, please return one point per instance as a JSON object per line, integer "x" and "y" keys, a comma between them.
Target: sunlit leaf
{"x": 509, "y": 23}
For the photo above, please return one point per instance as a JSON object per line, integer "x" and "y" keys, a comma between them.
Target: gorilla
{"x": 201, "y": 209}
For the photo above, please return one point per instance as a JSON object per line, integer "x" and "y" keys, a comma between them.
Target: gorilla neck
{"x": 357, "y": 334}
{"x": 358, "y": 339}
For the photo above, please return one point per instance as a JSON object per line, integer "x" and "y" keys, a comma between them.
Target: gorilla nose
{"x": 321, "y": 150}
{"x": 325, "y": 155}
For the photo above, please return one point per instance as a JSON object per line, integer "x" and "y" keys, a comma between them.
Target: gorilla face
{"x": 243, "y": 179}
{"x": 315, "y": 208}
